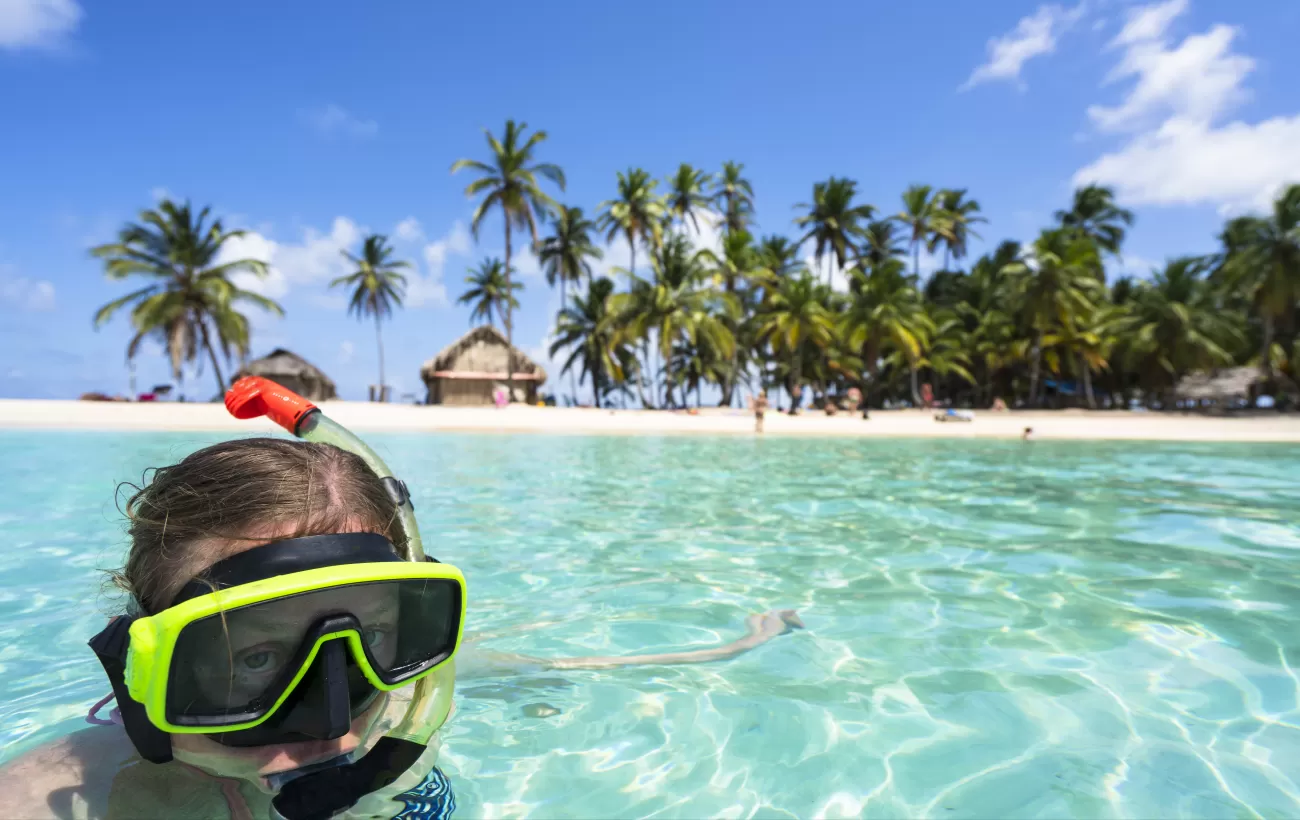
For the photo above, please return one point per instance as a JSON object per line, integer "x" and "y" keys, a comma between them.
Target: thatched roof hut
{"x": 292, "y": 371}
{"x": 1219, "y": 385}
{"x": 472, "y": 368}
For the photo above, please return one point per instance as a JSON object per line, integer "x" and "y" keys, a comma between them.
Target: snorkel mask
{"x": 293, "y": 640}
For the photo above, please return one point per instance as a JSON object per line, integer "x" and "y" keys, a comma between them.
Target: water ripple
{"x": 1061, "y": 630}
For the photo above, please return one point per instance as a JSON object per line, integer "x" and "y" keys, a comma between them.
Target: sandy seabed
{"x": 1065, "y": 424}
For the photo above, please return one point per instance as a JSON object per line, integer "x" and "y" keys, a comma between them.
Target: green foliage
{"x": 378, "y": 285}
{"x": 508, "y": 183}
{"x": 191, "y": 299}
{"x": 833, "y": 222}
{"x": 491, "y": 291}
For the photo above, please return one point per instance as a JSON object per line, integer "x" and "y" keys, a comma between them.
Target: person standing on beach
{"x": 760, "y": 405}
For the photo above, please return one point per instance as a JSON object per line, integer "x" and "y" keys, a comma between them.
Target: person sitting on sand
{"x": 760, "y": 407}
{"x": 242, "y": 568}
{"x": 796, "y": 396}
{"x": 999, "y": 406}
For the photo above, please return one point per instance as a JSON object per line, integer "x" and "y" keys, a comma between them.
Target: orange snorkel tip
{"x": 254, "y": 396}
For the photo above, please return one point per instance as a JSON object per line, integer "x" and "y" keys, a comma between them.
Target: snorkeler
{"x": 289, "y": 650}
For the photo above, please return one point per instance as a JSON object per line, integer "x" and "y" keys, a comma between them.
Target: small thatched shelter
{"x": 469, "y": 370}
{"x": 1220, "y": 386}
{"x": 292, "y": 371}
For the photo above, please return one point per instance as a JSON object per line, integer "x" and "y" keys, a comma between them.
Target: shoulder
{"x": 68, "y": 778}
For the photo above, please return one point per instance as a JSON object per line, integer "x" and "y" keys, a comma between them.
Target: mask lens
{"x": 232, "y": 666}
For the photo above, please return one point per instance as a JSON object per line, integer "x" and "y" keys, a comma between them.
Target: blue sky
{"x": 311, "y": 124}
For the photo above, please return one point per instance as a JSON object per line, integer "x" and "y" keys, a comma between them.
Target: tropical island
{"x": 1033, "y": 326}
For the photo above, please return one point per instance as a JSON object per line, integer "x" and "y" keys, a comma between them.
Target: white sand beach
{"x": 1065, "y": 424}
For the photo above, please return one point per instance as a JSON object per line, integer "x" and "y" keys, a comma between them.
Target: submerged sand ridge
{"x": 1065, "y": 424}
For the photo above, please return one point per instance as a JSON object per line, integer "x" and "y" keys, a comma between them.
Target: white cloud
{"x": 315, "y": 260}
{"x": 27, "y": 295}
{"x": 1149, "y": 22}
{"x": 336, "y": 121}
{"x": 457, "y": 242}
{"x": 430, "y": 289}
{"x": 346, "y": 351}
{"x": 1198, "y": 80}
{"x": 425, "y": 290}
{"x": 1179, "y": 154}
{"x": 1033, "y": 36}
{"x": 36, "y": 23}
{"x": 409, "y": 230}
{"x": 1183, "y": 162}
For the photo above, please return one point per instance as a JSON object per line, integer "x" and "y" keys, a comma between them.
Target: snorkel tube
{"x": 324, "y": 793}
{"x": 254, "y": 396}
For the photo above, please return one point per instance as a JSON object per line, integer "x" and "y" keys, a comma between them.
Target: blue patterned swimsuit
{"x": 431, "y": 800}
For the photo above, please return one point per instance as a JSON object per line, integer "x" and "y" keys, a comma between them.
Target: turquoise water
{"x": 994, "y": 629}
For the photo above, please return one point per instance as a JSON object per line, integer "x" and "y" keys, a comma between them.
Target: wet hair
{"x": 232, "y": 496}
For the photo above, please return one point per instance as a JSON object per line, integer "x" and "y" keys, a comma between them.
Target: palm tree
{"x": 190, "y": 297}
{"x": 508, "y": 183}
{"x": 491, "y": 289}
{"x": 834, "y": 223}
{"x": 1054, "y": 283}
{"x": 565, "y": 255}
{"x": 585, "y": 327}
{"x": 736, "y": 195}
{"x": 886, "y": 313}
{"x": 1176, "y": 326}
{"x": 677, "y": 306}
{"x": 780, "y": 256}
{"x": 945, "y": 349}
{"x": 637, "y": 212}
{"x": 879, "y": 242}
{"x": 687, "y": 196}
{"x": 1094, "y": 215}
{"x": 377, "y": 285}
{"x": 794, "y": 318}
{"x": 955, "y": 214}
{"x": 740, "y": 262}
{"x": 919, "y": 214}
{"x": 1262, "y": 263}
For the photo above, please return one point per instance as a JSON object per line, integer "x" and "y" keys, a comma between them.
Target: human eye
{"x": 260, "y": 660}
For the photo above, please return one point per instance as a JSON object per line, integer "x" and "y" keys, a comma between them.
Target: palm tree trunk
{"x": 1034, "y": 363}
{"x": 668, "y": 380}
{"x": 794, "y": 385}
{"x": 1266, "y": 350}
{"x": 379, "y": 340}
{"x": 595, "y": 389}
{"x": 510, "y": 326}
{"x": 212, "y": 353}
{"x": 916, "y": 259}
{"x": 916, "y": 393}
{"x": 573, "y": 377}
{"x": 1087, "y": 382}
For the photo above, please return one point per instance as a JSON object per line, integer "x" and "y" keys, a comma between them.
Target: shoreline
{"x": 1083, "y": 425}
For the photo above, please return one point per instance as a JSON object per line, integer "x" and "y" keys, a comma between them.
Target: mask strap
{"x": 153, "y": 744}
